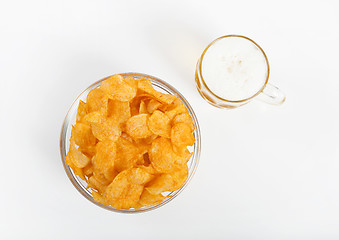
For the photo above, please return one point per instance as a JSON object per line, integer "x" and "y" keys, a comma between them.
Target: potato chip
{"x": 76, "y": 158}
{"x": 95, "y": 184}
{"x": 137, "y": 127}
{"x": 132, "y": 82}
{"x": 117, "y": 89}
{"x": 146, "y": 86}
{"x": 105, "y": 156}
{"x": 127, "y": 155}
{"x": 89, "y": 150}
{"x": 139, "y": 176}
{"x": 147, "y": 199}
{"x": 95, "y": 117}
{"x": 168, "y": 181}
{"x": 181, "y": 135}
{"x": 142, "y": 108}
{"x": 162, "y": 156}
{"x": 109, "y": 129}
{"x": 183, "y": 118}
{"x": 121, "y": 193}
{"x": 96, "y": 101}
{"x": 110, "y": 175}
{"x": 153, "y": 105}
{"x": 82, "y": 111}
{"x": 82, "y": 135}
{"x": 88, "y": 170}
{"x": 118, "y": 110}
{"x": 159, "y": 124}
{"x": 183, "y": 155}
{"x": 173, "y": 112}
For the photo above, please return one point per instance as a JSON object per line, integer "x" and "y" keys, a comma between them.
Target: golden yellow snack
{"x": 129, "y": 143}
{"x": 159, "y": 124}
{"x": 137, "y": 127}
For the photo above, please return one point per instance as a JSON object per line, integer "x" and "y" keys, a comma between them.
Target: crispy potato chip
{"x": 98, "y": 198}
{"x": 110, "y": 175}
{"x": 181, "y": 135}
{"x": 108, "y": 129}
{"x": 96, "y": 101}
{"x": 96, "y": 185}
{"x": 76, "y": 158}
{"x": 142, "y": 108}
{"x": 147, "y": 199}
{"x": 127, "y": 155}
{"x": 89, "y": 150}
{"x": 82, "y": 135}
{"x": 183, "y": 118}
{"x": 137, "y": 127}
{"x": 100, "y": 177}
{"x": 95, "y": 117}
{"x": 88, "y": 170}
{"x": 146, "y": 86}
{"x": 168, "y": 181}
{"x": 173, "y": 112}
{"x": 153, "y": 105}
{"x": 159, "y": 124}
{"x": 105, "y": 156}
{"x": 121, "y": 193}
{"x": 183, "y": 155}
{"x": 118, "y": 110}
{"x": 139, "y": 176}
{"x": 117, "y": 89}
{"x": 162, "y": 156}
{"x": 132, "y": 82}
{"x": 82, "y": 111}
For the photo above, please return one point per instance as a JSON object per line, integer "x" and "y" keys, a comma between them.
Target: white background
{"x": 265, "y": 172}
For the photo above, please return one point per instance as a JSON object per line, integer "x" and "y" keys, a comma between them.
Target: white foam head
{"x": 234, "y": 68}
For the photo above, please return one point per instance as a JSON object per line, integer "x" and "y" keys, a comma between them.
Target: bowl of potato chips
{"x": 130, "y": 143}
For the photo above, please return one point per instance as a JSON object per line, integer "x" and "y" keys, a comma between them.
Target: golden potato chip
{"x": 105, "y": 156}
{"x": 139, "y": 176}
{"x": 89, "y": 150}
{"x": 127, "y": 155}
{"x": 132, "y": 82}
{"x": 82, "y": 135}
{"x": 183, "y": 155}
{"x": 162, "y": 156}
{"x": 159, "y": 124}
{"x": 153, "y": 105}
{"x": 168, "y": 181}
{"x": 96, "y": 101}
{"x": 95, "y": 117}
{"x": 173, "y": 112}
{"x": 88, "y": 170}
{"x": 82, "y": 111}
{"x": 118, "y": 110}
{"x": 109, "y": 129}
{"x": 110, "y": 175}
{"x": 181, "y": 135}
{"x": 121, "y": 193}
{"x": 117, "y": 89}
{"x": 147, "y": 199}
{"x": 142, "y": 108}
{"x": 96, "y": 185}
{"x": 98, "y": 198}
{"x": 76, "y": 158}
{"x": 137, "y": 127}
{"x": 183, "y": 118}
{"x": 146, "y": 86}
{"x": 101, "y": 178}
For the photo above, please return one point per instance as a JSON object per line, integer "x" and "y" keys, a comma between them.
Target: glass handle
{"x": 272, "y": 95}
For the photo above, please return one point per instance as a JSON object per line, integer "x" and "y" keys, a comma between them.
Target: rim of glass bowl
{"x": 66, "y": 128}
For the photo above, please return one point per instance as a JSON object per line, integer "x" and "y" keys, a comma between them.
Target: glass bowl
{"x": 70, "y": 119}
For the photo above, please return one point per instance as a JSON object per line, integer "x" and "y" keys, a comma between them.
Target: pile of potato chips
{"x": 130, "y": 143}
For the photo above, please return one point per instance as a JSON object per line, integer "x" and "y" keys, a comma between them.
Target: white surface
{"x": 234, "y": 68}
{"x": 266, "y": 172}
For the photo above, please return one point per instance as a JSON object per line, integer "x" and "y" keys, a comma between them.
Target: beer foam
{"x": 234, "y": 68}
